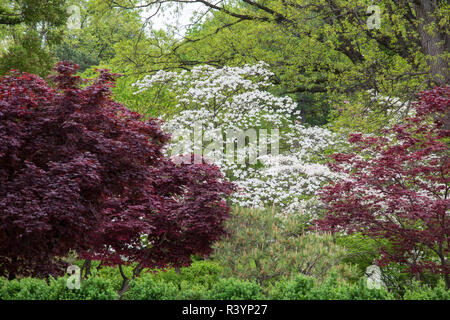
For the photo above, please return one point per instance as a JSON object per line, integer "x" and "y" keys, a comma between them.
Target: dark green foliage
{"x": 29, "y": 29}
{"x": 149, "y": 288}
{"x": 295, "y": 289}
{"x": 361, "y": 250}
{"x": 84, "y": 58}
{"x": 204, "y": 273}
{"x": 191, "y": 283}
{"x": 25, "y": 289}
{"x": 419, "y": 291}
{"x": 305, "y": 288}
{"x": 236, "y": 289}
{"x": 183, "y": 285}
{"x": 27, "y": 54}
{"x": 94, "y": 288}
{"x": 314, "y": 108}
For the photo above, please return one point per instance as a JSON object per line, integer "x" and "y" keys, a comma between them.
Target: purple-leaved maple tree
{"x": 81, "y": 172}
{"x": 397, "y": 187}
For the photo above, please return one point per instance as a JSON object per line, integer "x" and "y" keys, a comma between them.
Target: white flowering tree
{"x": 273, "y": 158}
{"x": 291, "y": 179}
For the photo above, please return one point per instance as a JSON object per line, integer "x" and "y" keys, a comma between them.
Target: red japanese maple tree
{"x": 81, "y": 172}
{"x": 397, "y": 187}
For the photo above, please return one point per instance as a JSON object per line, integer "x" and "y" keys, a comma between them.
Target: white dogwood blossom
{"x": 227, "y": 107}
{"x": 291, "y": 179}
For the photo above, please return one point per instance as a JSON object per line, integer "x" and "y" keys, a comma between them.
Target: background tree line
{"x": 322, "y": 52}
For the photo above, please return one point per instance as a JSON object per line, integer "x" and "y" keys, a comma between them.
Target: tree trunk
{"x": 87, "y": 269}
{"x": 435, "y": 43}
{"x": 124, "y": 288}
{"x": 125, "y": 283}
{"x": 447, "y": 281}
{"x": 444, "y": 267}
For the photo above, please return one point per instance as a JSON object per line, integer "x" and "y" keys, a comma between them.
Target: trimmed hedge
{"x": 203, "y": 281}
{"x": 236, "y": 289}
{"x": 305, "y": 288}
{"x": 423, "y": 292}
{"x": 94, "y": 288}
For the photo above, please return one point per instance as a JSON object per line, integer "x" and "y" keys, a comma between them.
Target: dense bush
{"x": 156, "y": 287}
{"x": 419, "y": 291}
{"x": 306, "y": 288}
{"x": 193, "y": 282}
{"x": 205, "y": 273}
{"x": 86, "y": 181}
{"x": 193, "y": 291}
{"x": 151, "y": 287}
{"x": 203, "y": 280}
{"x": 236, "y": 289}
{"x": 25, "y": 289}
{"x": 94, "y": 288}
{"x": 147, "y": 287}
{"x": 361, "y": 251}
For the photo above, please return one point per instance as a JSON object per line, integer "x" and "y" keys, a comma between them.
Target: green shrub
{"x": 113, "y": 275}
{"x": 361, "y": 250}
{"x": 190, "y": 283}
{"x": 205, "y": 273}
{"x": 236, "y": 289}
{"x": 333, "y": 289}
{"x": 306, "y": 288}
{"x": 93, "y": 288}
{"x": 420, "y": 291}
{"x": 166, "y": 275}
{"x": 192, "y": 291}
{"x": 296, "y": 289}
{"x": 147, "y": 287}
{"x": 152, "y": 287}
{"x": 25, "y": 289}
{"x": 360, "y": 291}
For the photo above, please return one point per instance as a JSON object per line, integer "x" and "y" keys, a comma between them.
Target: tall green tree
{"x": 100, "y": 34}
{"x": 28, "y": 31}
{"x": 325, "y": 46}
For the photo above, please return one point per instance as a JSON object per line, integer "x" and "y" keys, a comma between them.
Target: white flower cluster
{"x": 234, "y": 99}
{"x": 396, "y": 109}
{"x": 291, "y": 179}
{"x": 234, "y": 96}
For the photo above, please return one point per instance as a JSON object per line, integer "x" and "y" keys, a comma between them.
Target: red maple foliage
{"x": 81, "y": 172}
{"x": 397, "y": 187}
